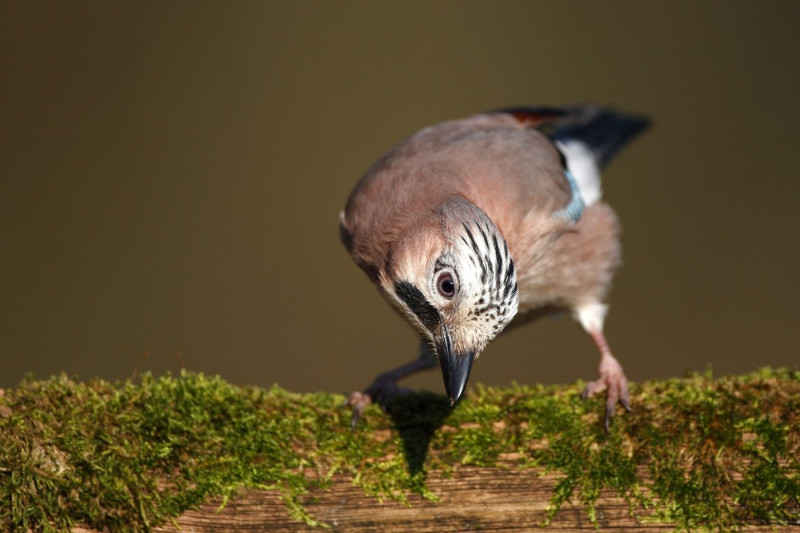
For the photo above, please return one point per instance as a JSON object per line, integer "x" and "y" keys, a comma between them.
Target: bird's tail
{"x": 603, "y": 131}
{"x": 588, "y": 137}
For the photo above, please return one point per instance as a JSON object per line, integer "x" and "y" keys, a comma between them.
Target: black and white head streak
{"x": 494, "y": 296}
{"x": 486, "y": 296}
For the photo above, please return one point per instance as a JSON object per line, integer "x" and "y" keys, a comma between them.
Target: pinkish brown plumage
{"x": 469, "y": 223}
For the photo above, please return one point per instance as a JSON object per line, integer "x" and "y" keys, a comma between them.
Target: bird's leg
{"x": 385, "y": 386}
{"x": 612, "y": 378}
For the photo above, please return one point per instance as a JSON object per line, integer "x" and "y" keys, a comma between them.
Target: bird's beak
{"x": 455, "y": 366}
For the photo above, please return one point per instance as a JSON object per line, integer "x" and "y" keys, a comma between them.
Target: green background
{"x": 171, "y": 175}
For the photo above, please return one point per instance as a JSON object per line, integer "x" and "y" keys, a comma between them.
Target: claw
{"x": 626, "y": 404}
{"x": 607, "y": 418}
{"x": 358, "y": 401}
{"x": 382, "y": 391}
{"x": 385, "y": 386}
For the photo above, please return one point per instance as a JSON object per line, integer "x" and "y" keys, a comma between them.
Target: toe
{"x": 355, "y": 417}
{"x": 592, "y": 388}
{"x": 608, "y": 417}
{"x": 624, "y": 397}
{"x": 626, "y": 404}
{"x": 617, "y": 394}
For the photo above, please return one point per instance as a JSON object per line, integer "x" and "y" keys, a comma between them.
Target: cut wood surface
{"x": 473, "y": 499}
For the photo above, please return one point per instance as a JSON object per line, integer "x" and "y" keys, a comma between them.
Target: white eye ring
{"x": 446, "y": 285}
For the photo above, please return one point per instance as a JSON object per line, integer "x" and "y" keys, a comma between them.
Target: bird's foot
{"x": 612, "y": 379}
{"x": 381, "y": 391}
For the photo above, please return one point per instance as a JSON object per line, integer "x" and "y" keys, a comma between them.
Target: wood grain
{"x": 472, "y": 499}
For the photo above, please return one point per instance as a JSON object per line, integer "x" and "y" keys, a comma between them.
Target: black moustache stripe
{"x": 418, "y": 304}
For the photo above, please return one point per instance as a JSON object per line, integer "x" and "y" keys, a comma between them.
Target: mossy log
{"x": 194, "y": 453}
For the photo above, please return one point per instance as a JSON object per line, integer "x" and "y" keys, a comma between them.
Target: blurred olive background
{"x": 171, "y": 176}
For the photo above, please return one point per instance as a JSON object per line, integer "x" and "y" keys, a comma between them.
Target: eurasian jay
{"x": 469, "y": 224}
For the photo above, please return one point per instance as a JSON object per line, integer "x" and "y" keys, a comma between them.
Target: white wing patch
{"x": 582, "y": 163}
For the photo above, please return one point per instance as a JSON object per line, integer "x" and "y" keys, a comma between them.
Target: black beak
{"x": 455, "y": 366}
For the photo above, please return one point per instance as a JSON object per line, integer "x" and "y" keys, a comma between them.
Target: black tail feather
{"x": 605, "y": 131}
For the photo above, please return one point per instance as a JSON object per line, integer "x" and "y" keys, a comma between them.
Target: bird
{"x": 473, "y": 225}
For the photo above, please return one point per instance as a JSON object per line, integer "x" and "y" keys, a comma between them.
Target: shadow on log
{"x": 417, "y": 417}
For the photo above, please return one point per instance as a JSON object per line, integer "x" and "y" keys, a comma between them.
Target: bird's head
{"x": 453, "y": 278}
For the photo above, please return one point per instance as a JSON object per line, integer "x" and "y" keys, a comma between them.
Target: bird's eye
{"x": 445, "y": 285}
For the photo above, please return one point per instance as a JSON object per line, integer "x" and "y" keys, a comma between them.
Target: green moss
{"x": 696, "y": 452}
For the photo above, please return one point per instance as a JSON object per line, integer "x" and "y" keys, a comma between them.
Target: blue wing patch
{"x": 575, "y": 207}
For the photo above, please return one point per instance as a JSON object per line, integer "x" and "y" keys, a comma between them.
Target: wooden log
{"x": 472, "y": 499}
